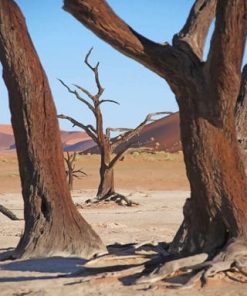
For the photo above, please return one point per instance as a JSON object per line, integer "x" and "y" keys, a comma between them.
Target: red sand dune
{"x": 162, "y": 134}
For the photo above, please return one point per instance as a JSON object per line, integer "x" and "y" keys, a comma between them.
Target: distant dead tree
{"x": 71, "y": 171}
{"x": 241, "y": 116}
{"x": 111, "y": 151}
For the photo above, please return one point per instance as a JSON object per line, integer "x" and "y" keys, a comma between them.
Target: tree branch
{"x": 118, "y": 129}
{"x": 110, "y": 101}
{"x": 101, "y": 19}
{"x": 85, "y": 91}
{"x": 226, "y": 51}
{"x": 89, "y": 129}
{"x": 194, "y": 33}
{"x": 119, "y": 155}
{"x": 130, "y": 134}
{"x": 74, "y": 92}
{"x": 96, "y": 75}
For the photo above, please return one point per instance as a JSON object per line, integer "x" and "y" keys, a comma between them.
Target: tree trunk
{"x": 217, "y": 208}
{"x": 53, "y": 226}
{"x": 106, "y": 186}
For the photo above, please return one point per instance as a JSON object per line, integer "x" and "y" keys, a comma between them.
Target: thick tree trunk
{"x": 106, "y": 186}
{"x": 217, "y": 208}
{"x": 53, "y": 226}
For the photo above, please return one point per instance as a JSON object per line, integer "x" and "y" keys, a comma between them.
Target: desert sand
{"x": 157, "y": 182}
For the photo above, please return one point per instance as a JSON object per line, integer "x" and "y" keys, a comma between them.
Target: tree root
{"x": 137, "y": 264}
{"x": 119, "y": 199}
{"x": 8, "y": 213}
{"x": 232, "y": 258}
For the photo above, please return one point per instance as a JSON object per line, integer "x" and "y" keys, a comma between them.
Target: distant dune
{"x": 162, "y": 134}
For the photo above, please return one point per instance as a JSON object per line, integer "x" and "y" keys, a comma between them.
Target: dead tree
{"x": 71, "y": 171}
{"x": 52, "y": 223}
{"x": 215, "y": 215}
{"x": 109, "y": 152}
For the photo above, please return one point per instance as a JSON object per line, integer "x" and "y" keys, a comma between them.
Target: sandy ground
{"x": 156, "y": 219}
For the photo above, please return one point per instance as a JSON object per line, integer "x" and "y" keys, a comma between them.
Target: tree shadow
{"x": 125, "y": 261}
{"x": 58, "y": 266}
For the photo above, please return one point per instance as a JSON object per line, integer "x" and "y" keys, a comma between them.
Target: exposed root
{"x": 232, "y": 258}
{"x": 146, "y": 264}
{"x": 123, "y": 260}
{"x": 119, "y": 199}
{"x": 8, "y": 213}
{"x": 172, "y": 267}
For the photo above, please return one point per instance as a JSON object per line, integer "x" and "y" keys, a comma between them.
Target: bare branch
{"x": 87, "y": 128}
{"x": 74, "y": 92}
{"x": 85, "y": 91}
{"x": 98, "y": 16}
{"x": 8, "y": 213}
{"x": 119, "y": 155}
{"x": 130, "y": 134}
{"x": 79, "y": 171}
{"x": 96, "y": 75}
{"x": 110, "y": 101}
{"x": 119, "y": 129}
{"x": 193, "y": 34}
{"x": 226, "y": 51}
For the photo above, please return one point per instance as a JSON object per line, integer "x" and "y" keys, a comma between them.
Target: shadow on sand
{"x": 125, "y": 261}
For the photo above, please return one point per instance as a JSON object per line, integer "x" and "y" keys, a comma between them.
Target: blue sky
{"x": 62, "y": 43}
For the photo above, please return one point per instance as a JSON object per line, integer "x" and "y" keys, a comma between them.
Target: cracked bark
{"x": 53, "y": 226}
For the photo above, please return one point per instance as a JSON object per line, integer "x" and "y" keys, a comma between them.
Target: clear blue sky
{"x": 62, "y": 43}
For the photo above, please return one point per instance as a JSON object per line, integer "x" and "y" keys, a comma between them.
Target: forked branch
{"x": 195, "y": 30}
{"x": 96, "y": 75}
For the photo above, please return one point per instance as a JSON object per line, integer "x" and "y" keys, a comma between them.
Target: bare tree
{"x": 48, "y": 208}
{"x": 71, "y": 171}
{"x": 206, "y": 91}
{"x": 111, "y": 151}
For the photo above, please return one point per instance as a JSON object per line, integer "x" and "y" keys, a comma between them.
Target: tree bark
{"x": 206, "y": 93}
{"x": 53, "y": 226}
{"x": 106, "y": 186}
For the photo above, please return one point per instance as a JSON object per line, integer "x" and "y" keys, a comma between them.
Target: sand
{"x": 156, "y": 219}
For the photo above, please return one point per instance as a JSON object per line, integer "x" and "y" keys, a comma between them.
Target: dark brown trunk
{"x": 53, "y": 225}
{"x": 106, "y": 186}
{"x": 217, "y": 209}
